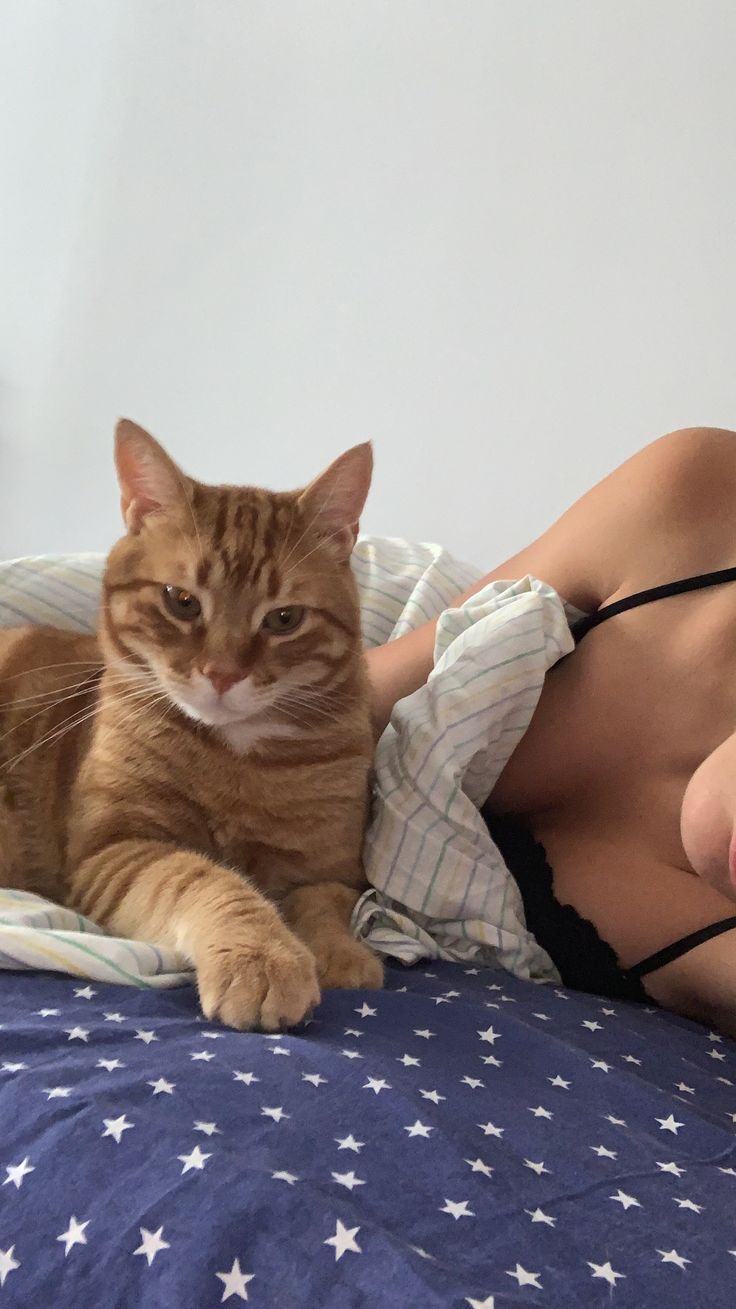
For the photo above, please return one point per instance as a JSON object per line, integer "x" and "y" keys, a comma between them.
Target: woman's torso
{"x": 624, "y": 721}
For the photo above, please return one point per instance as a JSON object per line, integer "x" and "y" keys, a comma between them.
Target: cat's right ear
{"x": 150, "y": 481}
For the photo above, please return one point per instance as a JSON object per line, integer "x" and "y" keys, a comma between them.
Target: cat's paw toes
{"x": 349, "y": 965}
{"x": 269, "y": 987}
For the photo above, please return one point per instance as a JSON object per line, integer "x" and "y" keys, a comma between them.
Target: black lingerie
{"x": 584, "y": 960}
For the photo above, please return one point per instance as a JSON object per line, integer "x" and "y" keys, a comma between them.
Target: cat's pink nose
{"x": 221, "y": 678}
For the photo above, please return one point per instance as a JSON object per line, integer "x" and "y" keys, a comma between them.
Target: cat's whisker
{"x": 330, "y": 536}
{"x": 307, "y": 705}
{"x": 47, "y": 696}
{"x": 44, "y": 668}
{"x": 45, "y": 709}
{"x": 75, "y": 720}
{"x": 320, "y": 510}
{"x": 48, "y": 699}
{"x": 51, "y": 694}
{"x": 295, "y": 718}
{"x": 191, "y": 511}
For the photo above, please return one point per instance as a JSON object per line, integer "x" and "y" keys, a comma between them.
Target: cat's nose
{"x": 222, "y": 678}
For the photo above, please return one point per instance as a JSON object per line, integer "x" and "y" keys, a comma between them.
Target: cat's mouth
{"x": 240, "y": 704}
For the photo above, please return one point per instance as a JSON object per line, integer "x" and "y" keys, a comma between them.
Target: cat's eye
{"x": 181, "y": 604}
{"x": 281, "y": 621}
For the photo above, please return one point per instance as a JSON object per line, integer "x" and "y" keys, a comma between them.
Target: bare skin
{"x": 627, "y": 773}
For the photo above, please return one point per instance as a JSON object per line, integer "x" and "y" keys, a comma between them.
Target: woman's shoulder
{"x": 668, "y": 511}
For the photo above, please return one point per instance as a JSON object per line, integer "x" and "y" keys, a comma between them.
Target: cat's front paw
{"x": 269, "y": 986}
{"x": 346, "y": 964}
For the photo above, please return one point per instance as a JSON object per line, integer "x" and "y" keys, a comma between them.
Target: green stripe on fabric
{"x": 131, "y": 978}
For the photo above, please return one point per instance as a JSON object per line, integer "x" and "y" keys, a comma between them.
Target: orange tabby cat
{"x": 209, "y": 788}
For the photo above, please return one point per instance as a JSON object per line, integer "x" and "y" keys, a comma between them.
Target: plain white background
{"x": 494, "y": 236}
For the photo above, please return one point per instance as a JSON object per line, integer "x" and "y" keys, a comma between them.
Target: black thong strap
{"x": 653, "y": 593}
{"x": 681, "y": 947}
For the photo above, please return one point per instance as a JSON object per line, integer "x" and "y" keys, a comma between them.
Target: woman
{"x": 617, "y": 811}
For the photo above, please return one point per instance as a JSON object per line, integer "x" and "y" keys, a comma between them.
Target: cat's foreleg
{"x": 252, "y": 971}
{"x": 320, "y": 914}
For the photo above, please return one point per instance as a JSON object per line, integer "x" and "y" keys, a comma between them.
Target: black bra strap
{"x": 653, "y": 593}
{"x": 681, "y": 947}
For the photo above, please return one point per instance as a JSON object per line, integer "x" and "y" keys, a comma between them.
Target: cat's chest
{"x": 266, "y": 852}
{"x": 253, "y": 827}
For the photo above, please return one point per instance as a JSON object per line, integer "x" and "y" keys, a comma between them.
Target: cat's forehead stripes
{"x": 243, "y": 532}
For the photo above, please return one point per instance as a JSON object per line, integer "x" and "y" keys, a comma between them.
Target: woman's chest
{"x": 624, "y": 721}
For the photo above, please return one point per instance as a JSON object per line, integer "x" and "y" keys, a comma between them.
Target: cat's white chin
{"x": 240, "y": 716}
{"x": 245, "y": 735}
{"x": 199, "y": 700}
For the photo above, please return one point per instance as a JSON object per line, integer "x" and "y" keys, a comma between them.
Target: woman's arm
{"x": 591, "y": 551}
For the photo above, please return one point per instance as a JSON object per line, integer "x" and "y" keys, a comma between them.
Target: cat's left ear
{"x": 150, "y": 481}
{"x": 334, "y": 501}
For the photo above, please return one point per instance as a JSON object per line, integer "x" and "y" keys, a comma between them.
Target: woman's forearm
{"x": 402, "y": 666}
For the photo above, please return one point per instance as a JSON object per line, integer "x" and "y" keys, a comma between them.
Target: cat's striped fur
{"x": 201, "y": 779}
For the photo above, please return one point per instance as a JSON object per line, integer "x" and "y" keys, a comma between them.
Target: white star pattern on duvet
{"x": 672, "y": 1257}
{"x": 538, "y": 1216}
{"x": 672, "y": 1168}
{"x": 626, "y": 1201}
{"x": 376, "y": 1084}
{"x": 74, "y": 1234}
{"x": 151, "y": 1244}
{"x": 670, "y": 1124}
{"x": 235, "y": 1282}
{"x": 479, "y": 1166}
{"x": 536, "y": 1167}
{"x": 115, "y": 1127}
{"x": 17, "y": 1172}
{"x": 444, "y": 1095}
{"x": 525, "y": 1278}
{"x": 457, "y": 1209}
{"x": 7, "y": 1263}
{"x": 349, "y": 1143}
{"x": 344, "y": 1241}
{"x": 605, "y": 1272}
{"x": 145, "y": 1036}
{"x": 195, "y": 1160}
{"x": 348, "y": 1180}
{"x": 77, "y": 1033}
{"x": 419, "y": 1129}
{"x": 162, "y": 1087}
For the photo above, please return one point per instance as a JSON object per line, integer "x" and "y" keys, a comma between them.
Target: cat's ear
{"x": 149, "y": 480}
{"x": 334, "y": 501}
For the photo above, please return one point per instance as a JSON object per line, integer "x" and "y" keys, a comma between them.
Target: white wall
{"x": 496, "y": 236}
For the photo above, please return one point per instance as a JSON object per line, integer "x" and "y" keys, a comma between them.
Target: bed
{"x": 463, "y": 1138}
